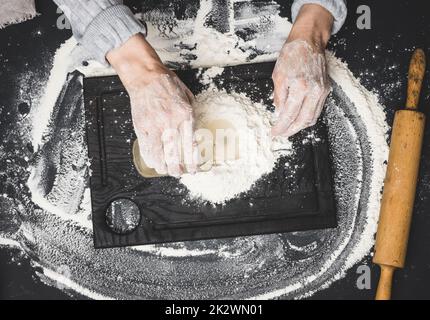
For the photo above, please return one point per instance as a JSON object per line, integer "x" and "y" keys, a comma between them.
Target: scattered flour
{"x": 252, "y": 267}
{"x": 210, "y": 74}
{"x": 61, "y": 66}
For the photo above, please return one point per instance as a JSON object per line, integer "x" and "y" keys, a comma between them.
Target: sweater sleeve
{"x": 336, "y": 7}
{"x": 100, "y": 25}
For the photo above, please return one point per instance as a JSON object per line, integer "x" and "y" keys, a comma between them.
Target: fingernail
{"x": 291, "y": 132}
{"x": 175, "y": 171}
{"x": 192, "y": 169}
{"x": 275, "y": 131}
{"x": 161, "y": 170}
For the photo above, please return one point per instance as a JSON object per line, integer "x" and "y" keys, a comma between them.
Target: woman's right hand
{"x": 161, "y": 108}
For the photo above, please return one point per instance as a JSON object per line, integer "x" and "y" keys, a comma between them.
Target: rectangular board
{"x": 283, "y": 201}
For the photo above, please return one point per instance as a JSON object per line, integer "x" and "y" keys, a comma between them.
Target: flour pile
{"x": 252, "y": 125}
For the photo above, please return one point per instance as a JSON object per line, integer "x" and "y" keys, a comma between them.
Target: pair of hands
{"x": 162, "y": 105}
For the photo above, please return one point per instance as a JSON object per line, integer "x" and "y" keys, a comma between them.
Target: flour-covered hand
{"x": 301, "y": 87}
{"x": 161, "y": 108}
{"x": 300, "y": 76}
{"x": 162, "y": 118}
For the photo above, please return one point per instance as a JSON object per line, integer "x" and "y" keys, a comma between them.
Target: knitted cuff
{"x": 109, "y": 30}
{"x": 336, "y": 7}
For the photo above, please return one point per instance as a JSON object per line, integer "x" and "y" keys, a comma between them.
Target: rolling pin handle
{"x": 417, "y": 70}
{"x": 385, "y": 283}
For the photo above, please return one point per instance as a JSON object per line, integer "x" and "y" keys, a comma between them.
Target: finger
{"x": 289, "y": 111}
{"x": 177, "y": 86}
{"x": 321, "y": 104}
{"x": 306, "y": 116}
{"x": 280, "y": 95}
{"x": 188, "y": 93}
{"x": 152, "y": 153}
{"x": 189, "y": 146}
{"x": 172, "y": 154}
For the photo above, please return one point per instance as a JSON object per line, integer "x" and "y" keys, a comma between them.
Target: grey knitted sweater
{"x": 102, "y": 25}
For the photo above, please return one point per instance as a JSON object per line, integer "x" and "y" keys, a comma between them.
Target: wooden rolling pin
{"x": 400, "y": 182}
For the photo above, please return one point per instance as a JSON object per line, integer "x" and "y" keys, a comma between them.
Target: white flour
{"x": 264, "y": 266}
{"x": 252, "y": 125}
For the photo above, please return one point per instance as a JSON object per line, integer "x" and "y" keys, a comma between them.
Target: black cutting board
{"x": 283, "y": 201}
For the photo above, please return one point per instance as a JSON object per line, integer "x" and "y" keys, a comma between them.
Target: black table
{"x": 397, "y": 28}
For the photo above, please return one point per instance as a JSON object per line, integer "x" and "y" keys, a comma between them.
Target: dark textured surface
{"x": 397, "y": 27}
